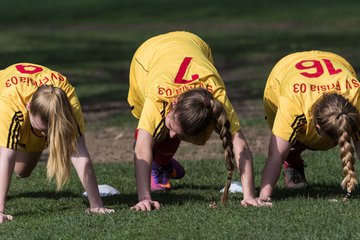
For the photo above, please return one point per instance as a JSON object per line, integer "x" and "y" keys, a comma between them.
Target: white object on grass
{"x": 105, "y": 191}
{"x": 234, "y": 187}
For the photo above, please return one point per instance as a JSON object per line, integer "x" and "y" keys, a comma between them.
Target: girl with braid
{"x": 177, "y": 94}
{"x": 311, "y": 101}
{"x": 39, "y": 109}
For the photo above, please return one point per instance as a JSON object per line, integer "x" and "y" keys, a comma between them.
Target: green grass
{"x": 128, "y": 11}
{"x": 41, "y": 213}
{"x": 92, "y": 42}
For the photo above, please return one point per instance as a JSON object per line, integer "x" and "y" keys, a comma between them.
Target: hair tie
{"x": 340, "y": 114}
{"x": 207, "y": 103}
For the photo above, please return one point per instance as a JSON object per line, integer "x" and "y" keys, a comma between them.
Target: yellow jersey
{"x": 296, "y": 82}
{"x": 18, "y": 83}
{"x": 164, "y": 67}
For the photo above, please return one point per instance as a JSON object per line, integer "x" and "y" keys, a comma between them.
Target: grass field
{"x": 309, "y": 214}
{"x": 92, "y": 43}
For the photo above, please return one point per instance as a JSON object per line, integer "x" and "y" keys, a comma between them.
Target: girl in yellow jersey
{"x": 177, "y": 94}
{"x": 38, "y": 109}
{"x": 311, "y": 101}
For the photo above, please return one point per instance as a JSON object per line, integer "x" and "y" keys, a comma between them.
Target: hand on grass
{"x": 100, "y": 210}
{"x": 146, "y": 205}
{"x": 256, "y": 202}
{"x": 5, "y": 217}
{"x": 266, "y": 201}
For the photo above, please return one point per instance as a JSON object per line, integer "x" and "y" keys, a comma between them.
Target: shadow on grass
{"x": 166, "y": 197}
{"x": 41, "y": 195}
{"x": 190, "y": 187}
{"x": 313, "y": 191}
{"x": 48, "y": 195}
{"x": 179, "y": 195}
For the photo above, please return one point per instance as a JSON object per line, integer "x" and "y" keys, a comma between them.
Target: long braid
{"x": 346, "y": 154}
{"x": 340, "y": 121}
{"x": 197, "y": 111}
{"x": 223, "y": 129}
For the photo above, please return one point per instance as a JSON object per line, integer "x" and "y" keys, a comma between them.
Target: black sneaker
{"x": 294, "y": 176}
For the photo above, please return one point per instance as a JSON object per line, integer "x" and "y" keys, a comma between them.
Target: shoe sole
{"x": 296, "y": 185}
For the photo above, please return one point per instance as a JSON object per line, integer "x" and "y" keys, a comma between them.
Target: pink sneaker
{"x": 176, "y": 170}
{"x": 160, "y": 175}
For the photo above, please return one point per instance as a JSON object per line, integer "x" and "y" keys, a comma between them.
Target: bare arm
{"x": 86, "y": 173}
{"x": 143, "y": 157}
{"x": 7, "y": 164}
{"x": 278, "y": 150}
{"x": 357, "y": 148}
{"x": 244, "y": 163}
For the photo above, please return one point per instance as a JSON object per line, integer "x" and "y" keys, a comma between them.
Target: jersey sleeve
{"x": 289, "y": 120}
{"x": 75, "y": 104}
{"x": 232, "y": 116}
{"x": 10, "y": 126}
{"x": 76, "y": 107}
{"x": 230, "y": 111}
{"x": 152, "y": 117}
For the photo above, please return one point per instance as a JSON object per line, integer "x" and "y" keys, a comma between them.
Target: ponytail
{"x": 53, "y": 107}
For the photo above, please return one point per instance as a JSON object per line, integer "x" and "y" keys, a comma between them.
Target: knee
{"x": 25, "y": 164}
{"x": 23, "y": 174}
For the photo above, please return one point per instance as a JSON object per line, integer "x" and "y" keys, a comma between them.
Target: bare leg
{"x": 26, "y": 162}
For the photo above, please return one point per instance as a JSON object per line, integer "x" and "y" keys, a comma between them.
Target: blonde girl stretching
{"x": 177, "y": 94}
{"x": 38, "y": 109}
{"x": 311, "y": 101}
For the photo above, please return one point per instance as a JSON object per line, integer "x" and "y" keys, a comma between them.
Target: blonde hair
{"x": 51, "y": 104}
{"x": 339, "y": 120}
{"x": 195, "y": 110}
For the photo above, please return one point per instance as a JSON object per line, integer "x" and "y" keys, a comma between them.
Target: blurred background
{"x": 92, "y": 43}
